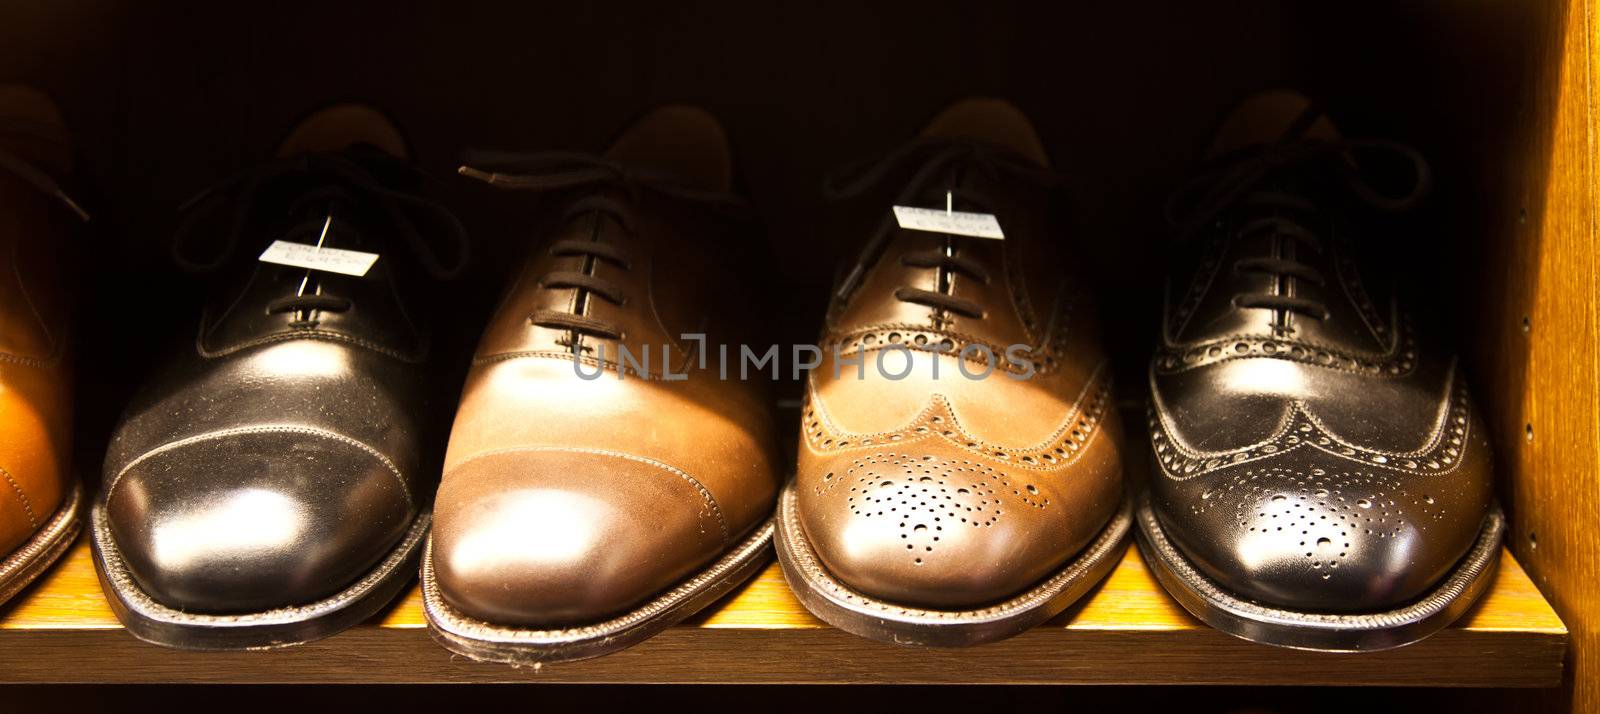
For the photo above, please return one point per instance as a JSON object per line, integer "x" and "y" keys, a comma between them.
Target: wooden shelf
{"x": 1126, "y": 632}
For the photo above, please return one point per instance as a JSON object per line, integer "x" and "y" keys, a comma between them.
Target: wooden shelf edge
{"x": 823, "y": 656}
{"x": 1126, "y": 632}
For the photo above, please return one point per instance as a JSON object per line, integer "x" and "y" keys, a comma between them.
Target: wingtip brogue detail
{"x": 1321, "y": 478}
{"x": 1400, "y": 360}
{"x": 940, "y": 523}
{"x": 934, "y": 487}
{"x": 1440, "y": 450}
{"x": 938, "y": 421}
{"x": 973, "y": 496}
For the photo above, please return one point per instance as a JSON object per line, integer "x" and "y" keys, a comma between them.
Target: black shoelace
{"x": 344, "y": 184}
{"x": 569, "y": 171}
{"x": 935, "y": 155}
{"x": 1238, "y": 183}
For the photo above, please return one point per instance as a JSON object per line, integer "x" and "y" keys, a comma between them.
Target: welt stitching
{"x": 309, "y": 335}
{"x": 655, "y": 314}
{"x": 33, "y": 520}
{"x": 1018, "y": 288}
{"x": 1362, "y": 299}
{"x": 963, "y": 339}
{"x": 607, "y": 365}
{"x": 1194, "y": 289}
{"x": 31, "y": 361}
{"x": 200, "y": 344}
{"x": 1389, "y": 353}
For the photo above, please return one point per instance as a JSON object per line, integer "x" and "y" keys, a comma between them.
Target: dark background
{"x": 168, "y": 98}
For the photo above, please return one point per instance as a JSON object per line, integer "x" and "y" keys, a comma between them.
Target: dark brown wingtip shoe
{"x": 38, "y": 496}
{"x": 270, "y": 485}
{"x": 591, "y": 499}
{"x": 1322, "y": 480}
{"x": 933, "y": 504}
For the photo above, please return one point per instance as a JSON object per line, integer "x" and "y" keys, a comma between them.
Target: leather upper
{"x": 1323, "y": 459}
{"x": 951, "y": 492}
{"x": 278, "y": 453}
{"x": 35, "y": 383}
{"x": 566, "y": 500}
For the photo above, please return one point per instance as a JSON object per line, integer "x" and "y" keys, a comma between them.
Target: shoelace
{"x": 554, "y": 171}
{"x": 936, "y": 155}
{"x": 1237, "y": 181}
{"x": 31, "y": 175}
{"x": 346, "y": 182}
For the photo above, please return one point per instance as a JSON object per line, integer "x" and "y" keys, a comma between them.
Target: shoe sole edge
{"x": 42, "y": 549}
{"x": 849, "y": 610}
{"x": 152, "y": 622}
{"x": 489, "y": 642}
{"x": 1322, "y": 632}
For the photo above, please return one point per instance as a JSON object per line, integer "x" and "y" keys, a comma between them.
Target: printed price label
{"x": 327, "y": 260}
{"x": 933, "y": 220}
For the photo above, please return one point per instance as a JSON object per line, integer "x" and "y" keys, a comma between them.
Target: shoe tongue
{"x": 339, "y": 128}
{"x": 990, "y": 121}
{"x": 683, "y": 141}
{"x": 1269, "y": 118}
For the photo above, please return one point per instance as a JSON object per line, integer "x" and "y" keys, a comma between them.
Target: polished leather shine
{"x": 936, "y": 490}
{"x": 278, "y": 454}
{"x": 1326, "y": 459}
{"x": 566, "y": 500}
{"x": 35, "y": 383}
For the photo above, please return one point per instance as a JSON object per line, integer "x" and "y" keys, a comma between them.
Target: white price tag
{"x": 933, "y": 220}
{"x": 327, "y": 260}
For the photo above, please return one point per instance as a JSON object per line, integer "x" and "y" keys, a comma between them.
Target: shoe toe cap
{"x": 255, "y": 519}
{"x": 932, "y": 527}
{"x": 566, "y": 537}
{"x": 1311, "y": 534}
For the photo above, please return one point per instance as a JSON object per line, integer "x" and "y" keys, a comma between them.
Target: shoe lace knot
{"x": 1255, "y": 187}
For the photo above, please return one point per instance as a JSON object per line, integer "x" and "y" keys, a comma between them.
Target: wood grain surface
{"x": 1536, "y": 302}
{"x": 1126, "y": 632}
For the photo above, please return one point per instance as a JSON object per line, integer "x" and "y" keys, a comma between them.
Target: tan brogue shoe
{"x": 960, "y": 477}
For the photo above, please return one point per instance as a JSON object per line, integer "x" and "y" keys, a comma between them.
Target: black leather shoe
{"x": 1322, "y": 480}
{"x": 270, "y": 485}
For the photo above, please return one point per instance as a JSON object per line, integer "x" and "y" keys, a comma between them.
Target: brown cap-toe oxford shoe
{"x": 270, "y": 484}
{"x": 555, "y": 536}
{"x": 590, "y": 500}
{"x": 38, "y": 496}
{"x": 945, "y": 497}
{"x": 1321, "y": 479}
